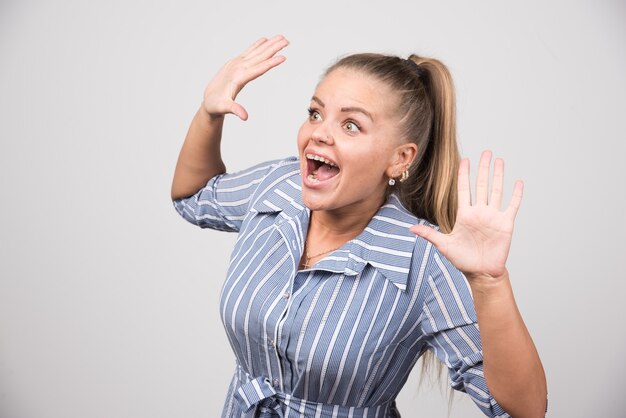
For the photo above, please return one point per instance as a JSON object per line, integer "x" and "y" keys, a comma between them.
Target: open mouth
{"x": 320, "y": 169}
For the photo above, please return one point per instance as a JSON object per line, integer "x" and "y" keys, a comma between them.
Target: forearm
{"x": 511, "y": 364}
{"x": 200, "y": 156}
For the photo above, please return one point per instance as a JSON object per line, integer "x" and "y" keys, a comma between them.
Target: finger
{"x": 482, "y": 178}
{"x": 264, "y": 67}
{"x": 516, "y": 199}
{"x": 261, "y": 62}
{"x": 239, "y": 110}
{"x": 495, "y": 199}
{"x": 252, "y": 47}
{"x": 463, "y": 186}
{"x": 438, "y": 239}
{"x": 267, "y": 49}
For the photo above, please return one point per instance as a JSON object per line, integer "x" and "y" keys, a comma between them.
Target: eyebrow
{"x": 346, "y": 109}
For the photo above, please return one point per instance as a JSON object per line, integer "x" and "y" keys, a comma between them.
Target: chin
{"x": 314, "y": 202}
{"x": 327, "y": 200}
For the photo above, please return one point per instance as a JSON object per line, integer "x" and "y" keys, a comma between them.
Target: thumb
{"x": 435, "y": 237}
{"x": 239, "y": 110}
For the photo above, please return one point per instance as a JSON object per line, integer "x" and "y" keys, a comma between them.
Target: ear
{"x": 402, "y": 158}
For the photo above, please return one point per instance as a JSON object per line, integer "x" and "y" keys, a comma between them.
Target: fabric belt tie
{"x": 256, "y": 395}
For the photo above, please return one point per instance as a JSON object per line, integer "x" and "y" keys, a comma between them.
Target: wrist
{"x": 209, "y": 119}
{"x": 486, "y": 283}
{"x": 203, "y": 109}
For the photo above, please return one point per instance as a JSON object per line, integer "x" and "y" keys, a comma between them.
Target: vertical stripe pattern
{"x": 340, "y": 338}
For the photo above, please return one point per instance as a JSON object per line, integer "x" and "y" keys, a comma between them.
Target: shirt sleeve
{"x": 451, "y": 329}
{"x": 224, "y": 201}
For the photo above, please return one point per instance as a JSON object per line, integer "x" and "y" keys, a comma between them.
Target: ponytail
{"x": 430, "y": 192}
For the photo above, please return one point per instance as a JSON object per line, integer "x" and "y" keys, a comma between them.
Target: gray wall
{"x": 108, "y": 300}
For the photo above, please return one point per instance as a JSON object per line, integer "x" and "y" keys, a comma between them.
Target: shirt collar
{"x": 386, "y": 243}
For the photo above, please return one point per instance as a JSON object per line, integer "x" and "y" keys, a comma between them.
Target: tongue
{"x": 325, "y": 172}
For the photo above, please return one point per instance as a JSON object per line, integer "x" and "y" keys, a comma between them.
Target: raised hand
{"x": 480, "y": 240}
{"x": 260, "y": 57}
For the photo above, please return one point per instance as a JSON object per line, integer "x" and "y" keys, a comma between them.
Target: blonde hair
{"x": 427, "y": 113}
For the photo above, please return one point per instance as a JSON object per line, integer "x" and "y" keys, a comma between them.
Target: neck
{"x": 329, "y": 230}
{"x": 339, "y": 226}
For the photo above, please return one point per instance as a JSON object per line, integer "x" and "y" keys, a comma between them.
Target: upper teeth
{"x": 322, "y": 159}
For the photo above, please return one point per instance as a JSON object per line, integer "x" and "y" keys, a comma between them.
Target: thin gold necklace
{"x": 309, "y": 257}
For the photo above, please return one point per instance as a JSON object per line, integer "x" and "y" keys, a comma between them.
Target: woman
{"x": 335, "y": 289}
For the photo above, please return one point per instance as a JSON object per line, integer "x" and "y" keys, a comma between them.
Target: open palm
{"x": 219, "y": 95}
{"x": 479, "y": 243}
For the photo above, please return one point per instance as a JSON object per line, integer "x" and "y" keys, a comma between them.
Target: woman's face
{"x": 349, "y": 145}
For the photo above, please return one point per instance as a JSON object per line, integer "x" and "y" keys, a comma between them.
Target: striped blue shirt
{"x": 338, "y": 339}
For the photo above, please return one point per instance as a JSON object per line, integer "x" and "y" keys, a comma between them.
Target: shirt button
{"x": 286, "y": 295}
{"x": 293, "y": 244}
{"x": 276, "y": 382}
{"x": 273, "y": 343}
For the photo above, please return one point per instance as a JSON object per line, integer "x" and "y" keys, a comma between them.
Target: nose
{"x": 322, "y": 135}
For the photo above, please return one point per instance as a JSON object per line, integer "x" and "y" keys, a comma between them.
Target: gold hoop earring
{"x": 405, "y": 174}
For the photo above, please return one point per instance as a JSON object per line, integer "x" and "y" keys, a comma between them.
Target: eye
{"x": 314, "y": 115}
{"x": 352, "y": 127}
